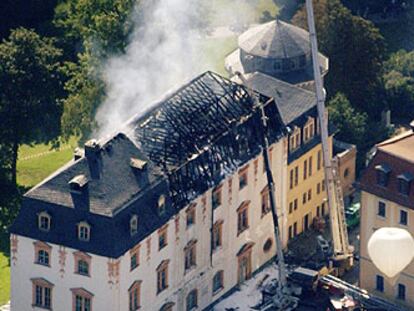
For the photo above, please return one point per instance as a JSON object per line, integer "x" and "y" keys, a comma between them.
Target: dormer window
{"x": 44, "y": 221}
{"x": 138, "y": 164}
{"x": 309, "y": 129}
{"x": 84, "y": 231}
{"x": 133, "y": 225}
{"x": 161, "y": 205}
{"x": 78, "y": 183}
{"x": 294, "y": 139}
{"x": 404, "y": 183}
{"x": 383, "y": 171}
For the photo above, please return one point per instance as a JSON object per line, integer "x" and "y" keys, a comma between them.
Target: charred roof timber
{"x": 205, "y": 130}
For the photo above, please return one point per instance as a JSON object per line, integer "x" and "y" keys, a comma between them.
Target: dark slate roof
{"x": 275, "y": 39}
{"x": 292, "y": 101}
{"x": 116, "y": 185}
{"x": 190, "y": 141}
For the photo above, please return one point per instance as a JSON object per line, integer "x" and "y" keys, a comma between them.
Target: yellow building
{"x": 387, "y": 200}
{"x": 306, "y": 196}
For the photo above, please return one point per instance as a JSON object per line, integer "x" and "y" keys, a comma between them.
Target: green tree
{"x": 350, "y": 123}
{"x": 399, "y": 84}
{"x": 94, "y": 30}
{"x": 30, "y": 86}
{"x": 355, "y": 49}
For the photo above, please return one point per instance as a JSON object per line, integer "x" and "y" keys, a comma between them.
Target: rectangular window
{"x": 381, "y": 209}
{"x": 162, "y": 276}
{"x": 82, "y": 303}
{"x": 318, "y": 211}
{"x": 379, "y": 284}
{"x": 295, "y": 229}
{"x": 162, "y": 238}
{"x": 242, "y": 218}
{"x": 216, "y": 197}
{"x": 295, "y": 204}
{"x": 243, "y": 178}
{"x": 290, "y": 232}
{"x": 291, "y": 207}
{"x": 296, "y": 175}
{"x": 217, "y": 234}
{"x": 401, "y": 292}
{"x": 323, "y": 185}
{"x": 42, "y": 293}
{"x": 304, "y": 196}
{"x": 318, "y": 188}
{"x": 323, "y": 209}
{"x": 309, "y": 194}
{"x": 265, "y": 201}
{"x": 190, "y": 255}
{"x": 305, "y": 169}
{"x": 190, "y": 215}
{"x": 134, "y": 253}
{"x": 403, "y": 218}
{"x": 134, "y": 296}
{"x": 291, "y": 179}
{"x": 218, "y": 281}
{"x": 319, "y": 160}
{"x": 403, "y": 187}
{"x": 310, "y": 166}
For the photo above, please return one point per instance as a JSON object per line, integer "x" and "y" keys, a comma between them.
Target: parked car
{"x": 352, "y": 215}
{"x": 323, "y": 244}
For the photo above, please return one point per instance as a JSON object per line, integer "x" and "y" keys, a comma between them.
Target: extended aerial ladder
{"x": 342, "y": 252}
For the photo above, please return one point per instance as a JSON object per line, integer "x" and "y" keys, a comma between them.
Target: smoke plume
{"x": 165, "y": 50}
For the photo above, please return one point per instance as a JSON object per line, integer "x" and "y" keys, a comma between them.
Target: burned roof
{"x": 292, "y": 101}
{"x": 186, "y": 144}
{"x": 115, "y": 183}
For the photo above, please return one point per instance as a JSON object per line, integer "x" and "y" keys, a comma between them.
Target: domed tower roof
{"x": 275, "y": 39}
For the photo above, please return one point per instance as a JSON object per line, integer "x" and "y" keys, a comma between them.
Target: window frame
{"x": 133, "y": 225}
{"x": 45, "y": 248}
{"x": 194, "y": 294}
{"x": 44, "y": 215}
{"x": 190, "y": 218}
{"x": 216, "y": 196}
{"x": 220, "y": 276}
{"x": 381, "y": 205}
{"x": 162, "y": 270}
{"x": 163, "y": 233}
{"x": 379, "y": 283}
{"x": 78, "y": 257}
{"x": 243, "y": 177}
{"x": 217, "y": 234}
{"x": 265, "y": 201}
{"x": 403, "y": 212}
{"x": 134, "y": 253}
{"x": 84, "y": 295}
{"x": 401, "y": 292}
{"x": 134, "y": 296}
{"x": 243, "y": 217}
{"x": 190, "y": 255}
{"x": 81, "y": 233}
{"x": 45, "y": 287}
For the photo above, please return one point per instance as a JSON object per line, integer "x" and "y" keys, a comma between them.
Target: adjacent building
{"x": 387, "y": 200}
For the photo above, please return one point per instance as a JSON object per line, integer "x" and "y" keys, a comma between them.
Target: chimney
{"x": 77, "y": 154}
{"x": 79, "y": 192}
{"x": 92, "y": 154}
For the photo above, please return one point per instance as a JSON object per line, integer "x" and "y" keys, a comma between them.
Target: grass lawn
{"x": 4, "y": 279}
{"x": 216, "y": 49}
{"x": 39, "y": 161}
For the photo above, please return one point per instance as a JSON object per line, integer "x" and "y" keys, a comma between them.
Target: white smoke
{"x": 165, "y": 50}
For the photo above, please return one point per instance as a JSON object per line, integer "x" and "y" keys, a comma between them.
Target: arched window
{"x": 83, "y": 267}
{"x": 133, "y": 225}
{"x": 84, "y": 231}
{"x": 42, "y": 253}
{"x": 82, "y": 263}
{"x": 44, "y": 221}
{"x": 192, "y": 300}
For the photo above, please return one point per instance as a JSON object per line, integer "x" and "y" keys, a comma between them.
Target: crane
{"x": 342, "y": 252}
{"x": 282, "y": 300}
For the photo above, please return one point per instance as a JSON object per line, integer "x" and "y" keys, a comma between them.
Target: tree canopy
{"x": 399, "y": 84}
{"x": 31, "y": 85}
{"x": 355, "y": 49}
